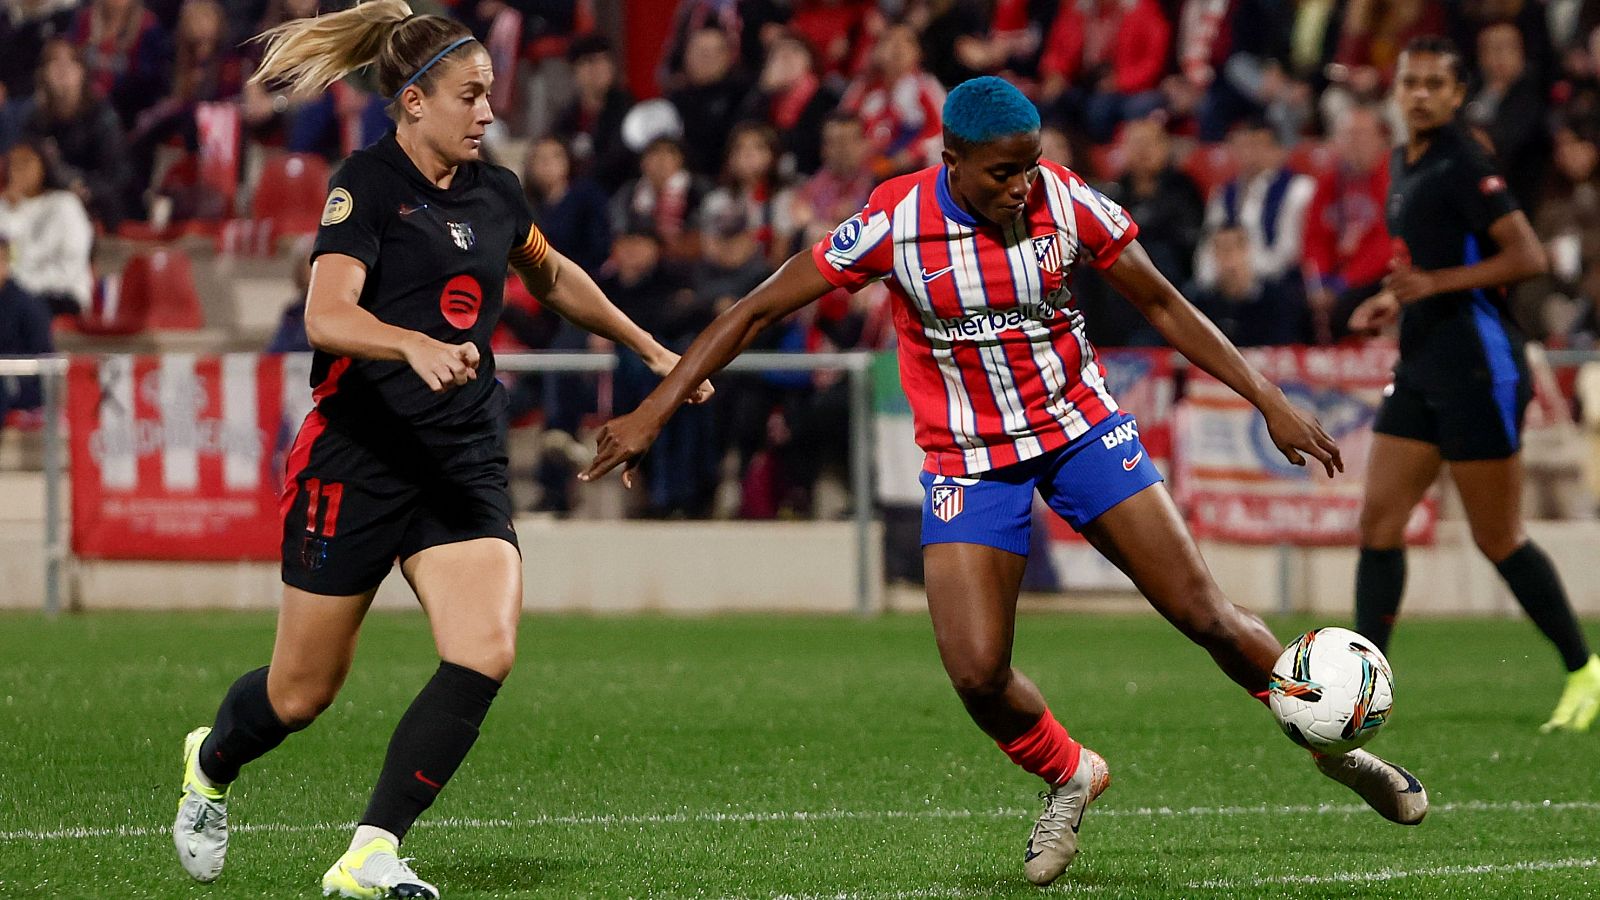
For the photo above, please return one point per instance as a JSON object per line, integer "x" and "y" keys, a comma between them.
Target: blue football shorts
{"x": 1080, "y": 481}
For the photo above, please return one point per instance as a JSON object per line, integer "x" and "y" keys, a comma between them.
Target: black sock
{"x": 1380, "y": 580}
{"x": 1534, "y": 582}
{"x": 246, "y": 728}
{"x": 430, "y": 742}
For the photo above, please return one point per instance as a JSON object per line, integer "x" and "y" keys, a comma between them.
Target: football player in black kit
{"x": 1462, "y": 384}
{"x": 402, "y": 458}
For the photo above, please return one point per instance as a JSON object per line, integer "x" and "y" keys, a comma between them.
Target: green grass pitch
{"x": 790, "y": 757}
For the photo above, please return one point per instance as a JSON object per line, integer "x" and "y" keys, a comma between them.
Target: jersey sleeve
{"x": 1104, "y": 227}
{"x": 859, "y": 250}
{"x": 1477, "y": 189}
{"x": 528, "y": 244}
{"x": 353, "y": 215}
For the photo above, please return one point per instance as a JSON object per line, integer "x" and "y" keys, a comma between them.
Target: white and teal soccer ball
{"x": 1331, "y": 690}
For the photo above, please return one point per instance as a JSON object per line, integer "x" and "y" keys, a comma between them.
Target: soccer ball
{"x": 1331, "y": 690}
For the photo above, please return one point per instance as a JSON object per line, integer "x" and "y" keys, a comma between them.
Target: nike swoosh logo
{"x": 408, "y": 210}
{"x": 427, "y": 781}
{"x": 1128, "y": 464}
{"x": 929, "y": 276}
{"x": 1029, "y": 856}
{"x": 1413, "y": 786}
{"x": 190, "y": 845}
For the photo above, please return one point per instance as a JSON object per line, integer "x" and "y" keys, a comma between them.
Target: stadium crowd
{"x": 1248, "y": 138}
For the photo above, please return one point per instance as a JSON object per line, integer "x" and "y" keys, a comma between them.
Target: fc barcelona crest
{"x": 461, "y": 233}
{"x": 947, "y": 500}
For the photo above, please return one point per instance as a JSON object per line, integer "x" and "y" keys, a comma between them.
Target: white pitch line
{"x": 1537, "y": 865}
{"x": 826, "y": 815}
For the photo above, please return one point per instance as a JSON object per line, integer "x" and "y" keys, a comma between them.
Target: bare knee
{"x": 492, "y": 658}
{"x": 299, "y": 704}
{"x": 980, "y": 677}
{"x": 1497, "y": 545}
{"x": 1383, "y": 528}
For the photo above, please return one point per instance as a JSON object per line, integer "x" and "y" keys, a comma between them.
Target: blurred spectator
{"x": 1469, "y": 18}
{"x": 338, "y": 122}
{"x": 291, "y": 334}
{"x": 24, "y": 331}
{"x": 1266, "y": 199}
{"x": 1571, "y": 22}
{"x": 840, "y": 188}
{"x": 665, "y": 195}
{"x": 1565, "y": 303}
{"x": 592, "y": 123}
{"x": 539, "y": 17}
{"x": 1370, "y": 40}
{"x": 1578, "y": 93}
{"x": 1103, "y": 62}
{"x": 956, "y": 41}
{"x": 732, "y": 266}
{"x": 835, "y": 31}
{"x": 691, "y": 18}
{"x": 1250, "y": 310}
{"x": 79, "y": 133}
{"x": 745, "y": 199}
{"x": 1163, "y": 200}
{"x": 791, "y": 97}
{"x": 681, "y": 471}
{"x": 709, "y": 100}
{"x": 1510, "y": 107}
{"x": 1347, "y": 242}
{"x": 572, "y": 212}
{"x": 25, "y": 25}
{"x": 125, "y": 52}
{"x": 205, "y": 70}
{"x": 1262, "y": 71}
{"x": 51, "y": 235}
{"x": 899, "y": 104}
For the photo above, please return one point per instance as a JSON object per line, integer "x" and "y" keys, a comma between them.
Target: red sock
{"x": 1045, "y": 750}
{"x": 1262, "y": 696}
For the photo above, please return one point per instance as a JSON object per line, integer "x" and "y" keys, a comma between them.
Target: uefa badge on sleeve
{"x": 947, "y": 501}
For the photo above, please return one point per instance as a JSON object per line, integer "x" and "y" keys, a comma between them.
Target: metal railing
{"x": 51, "y": 370}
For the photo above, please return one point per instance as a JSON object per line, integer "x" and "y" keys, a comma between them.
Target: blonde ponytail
{"x": 311, "y": 54}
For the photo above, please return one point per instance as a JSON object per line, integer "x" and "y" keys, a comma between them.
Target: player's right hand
{"x": 442, "y": 366}
{"x": 1375, "y": 313}
{"x": 622, "y": 441}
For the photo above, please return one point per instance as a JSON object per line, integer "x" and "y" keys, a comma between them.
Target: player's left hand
{"x": 1296, "y": 433}
{"x": 1409, "y": 285}
{"x": 622, "y": 441}
{"x": 662, "y": 364}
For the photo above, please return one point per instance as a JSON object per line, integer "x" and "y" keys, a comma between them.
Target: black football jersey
{"x": 1439, "y": 212}
{"x": 436, "y": 261}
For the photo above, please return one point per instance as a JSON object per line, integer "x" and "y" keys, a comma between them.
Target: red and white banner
{"x": 1236, "y": 486}
{"x": 180, "y": 456}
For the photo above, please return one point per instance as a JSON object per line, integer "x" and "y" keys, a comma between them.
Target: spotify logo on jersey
{"x": 460, "y": 301}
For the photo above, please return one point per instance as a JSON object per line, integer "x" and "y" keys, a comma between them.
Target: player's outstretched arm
{"x": 336, "y": 324}
{"x": 624, "y": 439}
{"x": 1192, "y": 334}
{"x": 1520, "y": 257}
{"x": 565, "y": 287}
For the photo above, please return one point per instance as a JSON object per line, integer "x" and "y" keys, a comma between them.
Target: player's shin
{"x": 428, "y": 745}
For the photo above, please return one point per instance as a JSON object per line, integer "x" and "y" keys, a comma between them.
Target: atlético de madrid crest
{"x": 947, "y": 501}
{"x": 1047, "y": 250}
{"x": 461, "y": 233}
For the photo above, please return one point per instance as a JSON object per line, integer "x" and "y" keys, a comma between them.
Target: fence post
{"x": 52, "y": 380}
{"x": 861, "y": 434}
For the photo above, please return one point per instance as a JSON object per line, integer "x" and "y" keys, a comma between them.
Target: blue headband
{"x": 429, "y": 64}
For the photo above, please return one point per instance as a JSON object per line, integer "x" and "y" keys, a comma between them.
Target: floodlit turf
{"x": 767, "y": 757}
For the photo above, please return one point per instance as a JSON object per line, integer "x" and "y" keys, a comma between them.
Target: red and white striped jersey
{"x": 992, "y": 352}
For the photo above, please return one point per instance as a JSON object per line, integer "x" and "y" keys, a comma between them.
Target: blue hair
{"x": 986, "y": 108}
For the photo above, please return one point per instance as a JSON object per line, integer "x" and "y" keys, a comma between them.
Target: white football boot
{"x": 1054, "y": 842}
{"x": 1395, "y": 793}
{"x": 201, "y": 829}
{"x": 374, "y": 871}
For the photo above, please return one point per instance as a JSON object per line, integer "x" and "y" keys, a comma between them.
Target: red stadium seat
{"x": 156, "y": 290}
{"x": 1311, "y": 158}
{"x": 1210, "y": 165}
{"x": 291, "y": 191}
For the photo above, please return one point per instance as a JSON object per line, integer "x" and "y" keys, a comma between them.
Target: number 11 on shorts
{"x": 316, "y": 492}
